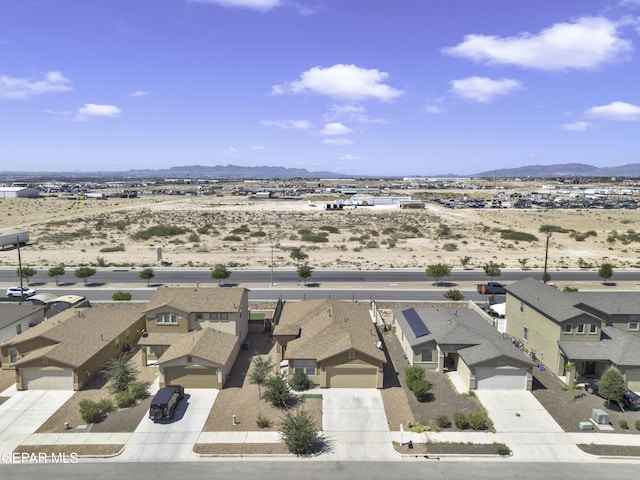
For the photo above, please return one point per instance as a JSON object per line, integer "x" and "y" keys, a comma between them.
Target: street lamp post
{"x": 546, "y": 257}
{"x": 272, "y": 262}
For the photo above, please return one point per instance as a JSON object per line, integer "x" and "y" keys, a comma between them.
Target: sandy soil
{"x": 239, "y": 231}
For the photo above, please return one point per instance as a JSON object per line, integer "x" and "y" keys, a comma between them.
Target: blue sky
{"x": 367, "y": 87}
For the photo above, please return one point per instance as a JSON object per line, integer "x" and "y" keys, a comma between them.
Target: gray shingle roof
{"x": 13, "y": 312}
{"x": 475, "y": 339}
{"x": 614, "y": 345}
{"x": 204, "y": 299}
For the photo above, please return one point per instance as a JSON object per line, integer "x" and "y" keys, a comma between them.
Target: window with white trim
{"x": 580, "y": 328}
{"x": 306, "y": 366}
{"x": 199, "y": 316}
{"x": 525, "y": 334}
{"x": 568, "y": 328}
{"x": 224, "y": 316}
{"x": 522, "y": 306}
{"x": 18, "y": 329}
{"x": 634, "y": 325}
{"x": 593, "y": 328}
{"x": 352, "y": 354}
{"x": 213, "y": 316}
{"x": 166, "y": 318}
{"x": 13, "y": 355}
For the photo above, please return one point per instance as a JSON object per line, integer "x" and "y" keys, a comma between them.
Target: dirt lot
{"x": 120, "y": 420}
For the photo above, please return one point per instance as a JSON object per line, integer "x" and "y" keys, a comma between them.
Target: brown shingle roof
{"x": 208, "y": 344}
{"x": 78, "y": 334}
{"x": 206, "y": 299}
{"x": 328, "y": 328}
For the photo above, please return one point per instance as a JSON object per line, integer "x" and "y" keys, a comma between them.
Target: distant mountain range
{"x": 232, "y": 171}
{"x": 563, "y": 170}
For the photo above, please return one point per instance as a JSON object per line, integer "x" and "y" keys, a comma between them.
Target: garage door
{"x": 490, "y": 378}
{"x": 192, "y": 376}
{"x": 352, "y": 377}
{"x": 39, "y": 379}
{"x": 633, "y": 379}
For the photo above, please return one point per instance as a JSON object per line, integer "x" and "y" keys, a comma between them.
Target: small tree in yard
{"x": 437, "y": 271}
{"x": 298, "y": 431}
{"x": 492, "y": 270}
{"x": 220, "y": 272}
{"x": 261, "y": 368}
{"x": 414, "y": 378}
{"x": 300, "y": 381}
{"x": 147, "y": 274}
{"x": 277, "y": 392}
{"x": 605, "y": 272}
{"x": 611, "y": 385}
{"x": 56, "y": 272}
{"x": 465, "y": 261}
{"x": 454, "y": 294}
{"x": 120, "y": 373}
{"x": 84, "y": 273}
{"x": 26, "y": 273}
{"x": 304, "y": 272}
{"x": 298, "y": 255}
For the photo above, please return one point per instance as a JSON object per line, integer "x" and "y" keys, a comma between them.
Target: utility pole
{"x": 546, "y": 256}
{"x": 20, "y": 268}
{"x": 272, "y": 262}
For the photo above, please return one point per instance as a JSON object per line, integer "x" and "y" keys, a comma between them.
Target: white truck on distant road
{"x": 14, "y": 238}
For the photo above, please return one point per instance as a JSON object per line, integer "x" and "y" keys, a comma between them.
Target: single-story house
{"x": 66, "y": 352}
{"x": 16, "y": 318}
{"x": 200, "y": 359}
{"x": 334, "y": 342}
{"x": 459, "y": 336}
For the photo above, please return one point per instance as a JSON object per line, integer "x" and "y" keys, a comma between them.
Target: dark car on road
{"x": 631, "y": 400}
{"x": 165, "y": 402}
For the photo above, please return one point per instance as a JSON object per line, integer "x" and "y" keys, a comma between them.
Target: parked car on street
{"x": 16, "y": 292}
{"x": 630, "y": 399}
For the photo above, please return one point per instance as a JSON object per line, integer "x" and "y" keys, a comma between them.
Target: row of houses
{"x": 194, "y": 336}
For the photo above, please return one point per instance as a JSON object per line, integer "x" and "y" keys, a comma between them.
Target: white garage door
{"x": 493, "y": 378}
{"x": 39, "y": 379}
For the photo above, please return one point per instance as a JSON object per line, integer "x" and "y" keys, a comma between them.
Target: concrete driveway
{"x": 25, "y": 411}
{"x": 526, "y": 427}
{"x": 172, "y": 440}
{"x": 355, "y": 425}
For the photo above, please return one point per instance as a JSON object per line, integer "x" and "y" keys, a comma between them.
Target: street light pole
{"x": 546, "y": 257}
{"x": 272, "y": 262}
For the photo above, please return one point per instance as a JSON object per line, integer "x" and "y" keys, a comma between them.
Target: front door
{"x": 589, "y": 368}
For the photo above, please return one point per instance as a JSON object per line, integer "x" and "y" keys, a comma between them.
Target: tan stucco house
{"x": 66, "y": 352}
{"x": 16, "y": 318}
{"x": 593, "y": 330}
{"x": 447, "y": 336}
{"x": 177, "y": 320}
{"x": 334, "y": 342}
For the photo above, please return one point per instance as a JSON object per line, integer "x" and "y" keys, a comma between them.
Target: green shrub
{"x": 519, "y": 236}
{"x": 623, "y": 424}
{"x": 263, "y": 422}
{"x": 159, "y": 231}
{"x": 300, "y": 381}
{"x": 315, "y": 237}
{"x": 443, "y": 421}
{"x": 476, "y": 421}
{"x": 460, "y": 421}
{"x": 105, "y": 405}
{"x": 119, "y": 248}
{"x": 137, "y": 390}
{"x": 120, "y": 295}
{"x": 413, "y": 374}
{"x": 89, "y": 410}
{"x": 124, "y": 399}
{"x": 232, "y": 238}
{"x": 504, "y": 450}
{"x": 421, "y": 390}
{"x": 637, "y": 424}
{"x": 330, "y": 229}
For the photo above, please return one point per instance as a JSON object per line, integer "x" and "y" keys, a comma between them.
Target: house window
{"x": 568, "y": 328}
{"x": 199, "y": 317}
{"x": 522, "y": 306}
{"x": 428, "y": 355}
{"x": 306, "y": 366}
{"x": 18, "y": 329}
{"x": 166, "y": 318}
{"x": 224, "y": 316}
{"x": 525, "y": 334}
{"x": 213, "y": 316}
{"x": 581, "y": 328}
{"x": 593, "y": 328}
{"x": 352, "y": 354}
{"x": 633, "y": 325}
{"x": 189, "y": 359}
{"x": 118, "y": 343}
{"x": 13, "y": 355}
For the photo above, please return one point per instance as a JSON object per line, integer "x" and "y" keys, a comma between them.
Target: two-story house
{"x": 593, "y": 330}
{"x": 194, "y": 334}
{"x": 16, "y": 318}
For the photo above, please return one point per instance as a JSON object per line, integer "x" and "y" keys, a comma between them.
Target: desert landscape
{"x": 243, "y": 232}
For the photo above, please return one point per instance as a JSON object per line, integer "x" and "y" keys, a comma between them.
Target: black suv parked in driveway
{"x": 164, "y": 402}
{"x": 631, "y": 400}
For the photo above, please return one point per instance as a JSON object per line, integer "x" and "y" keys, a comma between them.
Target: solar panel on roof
{"x": 415, "y": 322}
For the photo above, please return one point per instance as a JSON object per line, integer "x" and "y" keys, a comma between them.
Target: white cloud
{"x": 138, "y": 93}
{"x": 288, "y": 124}
{"x": 586, "y": 43}
{"x": 347, "y": 82}
{"x": 230, "y": 151}
{"x": 257, "y": 147}
{"x": 349, "y": 157}
{"x": 260, "y": 5}
{"x": 483, "y": 89}
{"x": 433, "y": 108}
{"x": 351, "y": 112}
{"x": 335, "y": 128}
{"x": 22, "y": 88}
{"x": 579, "y": 126}
{"x": 337, "y": 141}
{"x": 615, "y": 111}
{"x": 92, "y": 110}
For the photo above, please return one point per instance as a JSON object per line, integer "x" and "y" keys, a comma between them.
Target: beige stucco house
{"x": 447, "y": 336}
{"x": 16, "y": 318}
{"x": 66, "y": 352}
{"x": 334, "y": 342}
{"x": 593, "y": 330}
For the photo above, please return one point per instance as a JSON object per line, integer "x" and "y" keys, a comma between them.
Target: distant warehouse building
{"x": 18, "y": 192}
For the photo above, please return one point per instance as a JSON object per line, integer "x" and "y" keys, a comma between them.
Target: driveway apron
{"x": 172, "y": 440}
{"x": 526, "y": 427}
{"x": 355, "y": 425}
